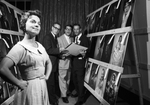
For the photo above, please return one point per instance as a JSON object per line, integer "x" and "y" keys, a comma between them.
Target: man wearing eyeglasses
{"x": 51, "y": 45}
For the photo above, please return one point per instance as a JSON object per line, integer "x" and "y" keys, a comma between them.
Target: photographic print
{"x": 107, "y": 48}
{"x": 126, "y": 13}
{"x": 113, "y": 16}
{"x": 93, "y": 76}
{"x": 92, "y": 46}
{"x": 104, "y": 19}
{"x": 8, "y": 40}
{"x": 13, "y": 25}
{"x": 87, "y": 72}
{"x": 112, "y": 86}
{"x": 104, "y": 80}
{"x": 99, "y": 48}
{"x": 90, "y": 23}
{"x": 101, "y": 81}
{"x": 119, "y": 47}
{"x": 15, "y": 39}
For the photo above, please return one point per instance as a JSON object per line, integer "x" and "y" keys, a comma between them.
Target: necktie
{"x": 76, "y": 40}
{"x": 55, "y": 40}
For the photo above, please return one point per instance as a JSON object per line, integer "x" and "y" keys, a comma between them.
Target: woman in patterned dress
{"x": 33, "y": 63}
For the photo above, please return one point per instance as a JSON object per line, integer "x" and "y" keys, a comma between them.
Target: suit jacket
{"x": 51, "y": 46}
{"x": 77, "y": 62}
{"x": 63, "y": 63}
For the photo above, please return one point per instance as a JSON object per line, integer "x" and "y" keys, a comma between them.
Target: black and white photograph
{"x": 87, "y": 72}
{"x": 99, "y": 47}
{"x": 107, "y": 62}
{"x": 111, "y": 88}
{"x": 119, "y": 48}
{"x": 93, "y": 76}
{"x": 101, "y": 82}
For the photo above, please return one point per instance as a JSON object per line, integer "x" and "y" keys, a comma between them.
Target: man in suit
{"x": 64, "y": 63}
{"x": 78, "y": 62}
{"x": 51, "y": 45}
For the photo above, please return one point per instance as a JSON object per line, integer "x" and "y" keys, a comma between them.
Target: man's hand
{"x": 82, "y": 52}
{"x": 63, "y": 51}
{"x": 65, "y": 55}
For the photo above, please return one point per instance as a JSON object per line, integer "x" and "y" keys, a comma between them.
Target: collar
{"x": 53, "y": 34}
{"x": 66, "y": 36}
{"x": 32, "y": 49}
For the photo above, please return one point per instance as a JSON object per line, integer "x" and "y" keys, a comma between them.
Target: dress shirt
{"x": 68, "y": 38}
{"x": 77, "y": 41}
{"x": 53, "y": 35}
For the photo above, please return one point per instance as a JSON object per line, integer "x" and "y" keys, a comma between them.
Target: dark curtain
{"x": 64, "y": 12}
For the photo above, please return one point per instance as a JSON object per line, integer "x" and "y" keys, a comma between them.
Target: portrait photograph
{"x": 93, "y": 76}
{"x": 90, "y": 23}
{"x": 101, "y": 81}
{"x": 113, "y": 15}
{"x": 119, "y": 48}
{"x": 87, "y": 72}
{"x": 99, "y": 47}
{"x": 125, "y": 8}
{"x": 111, "y": 89}
{"x": 107, "y": 48}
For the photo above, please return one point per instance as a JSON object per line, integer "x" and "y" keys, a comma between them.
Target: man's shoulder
{"x": 61, "y": 37}
{"x": 48, "y": 35}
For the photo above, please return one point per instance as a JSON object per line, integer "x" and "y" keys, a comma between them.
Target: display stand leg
{"x": 137, "y": 68}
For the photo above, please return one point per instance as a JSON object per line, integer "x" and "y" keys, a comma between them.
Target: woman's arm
{"x": 48, "y": 68}
{"x": 5, "y": 64}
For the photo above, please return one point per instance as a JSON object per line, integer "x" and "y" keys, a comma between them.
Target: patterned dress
{"x": 31, "y": 62}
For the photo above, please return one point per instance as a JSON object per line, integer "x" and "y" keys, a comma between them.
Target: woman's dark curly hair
{"x": 25, "y": 17}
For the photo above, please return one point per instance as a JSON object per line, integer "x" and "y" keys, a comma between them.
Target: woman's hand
{"x": 23, "y": 84}
{"x": 44, "y": 77}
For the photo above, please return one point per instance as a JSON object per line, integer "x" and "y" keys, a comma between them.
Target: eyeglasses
{"x": 56, "y": 28}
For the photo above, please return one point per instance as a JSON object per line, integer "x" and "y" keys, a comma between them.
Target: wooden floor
{"x": 91, "y": 101}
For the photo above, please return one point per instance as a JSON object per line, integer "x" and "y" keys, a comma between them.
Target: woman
{"x": 118, "y": 53}
{"x": 111, "y": 89}
{"x": 99, "y": 88}
{"x": 127, "y": 14}
{"x": 33, "y": 63}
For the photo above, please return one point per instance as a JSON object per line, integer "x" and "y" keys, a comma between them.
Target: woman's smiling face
{"x": 33, "y": 25}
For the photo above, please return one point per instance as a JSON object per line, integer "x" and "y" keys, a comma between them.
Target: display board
{"x": 102, "y": 80}
{"x": 10, "y": 34}
{"x": 114, "y": 15}
{"x": 114, "y": 52}
{"x": 109, "y": 28}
